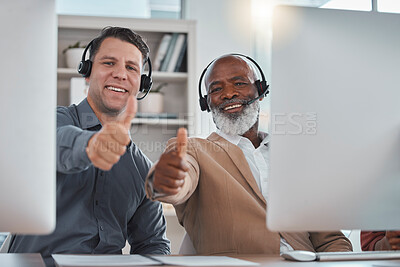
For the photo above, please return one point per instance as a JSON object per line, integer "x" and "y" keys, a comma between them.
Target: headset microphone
{"x": 258, "y": 97}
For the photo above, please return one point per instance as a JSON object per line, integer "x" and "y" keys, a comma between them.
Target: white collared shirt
{"x": 258, "y": 160}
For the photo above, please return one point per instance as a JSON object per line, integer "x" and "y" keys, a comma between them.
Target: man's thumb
{"x": 181, "y": 142}
{"x": 130, "y": 111}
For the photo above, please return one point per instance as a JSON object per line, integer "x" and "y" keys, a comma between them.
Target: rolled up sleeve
{"x": 71, "y": 145}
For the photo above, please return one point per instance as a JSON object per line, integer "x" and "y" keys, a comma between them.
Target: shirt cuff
{"x": 79, "y": 148}
{"x": 151, "y": 192}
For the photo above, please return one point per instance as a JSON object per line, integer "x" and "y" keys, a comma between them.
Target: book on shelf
{"x": 168, "y": 55}
{"x": 181, "y": 65}
{"x": 161, "y": 51}
{"x": 178, "y": 49}
{"x": 146, "y": 115}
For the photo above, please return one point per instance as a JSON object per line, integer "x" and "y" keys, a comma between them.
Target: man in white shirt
{"x": 218, "y": 187}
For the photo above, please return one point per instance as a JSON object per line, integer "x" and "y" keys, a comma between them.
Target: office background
{"x": 222, "y": 27}
{"x": 242, "y": 26}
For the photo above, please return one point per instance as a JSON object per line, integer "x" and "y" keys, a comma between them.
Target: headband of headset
{"x": 262, "y": 86}
{"x": 85, "y": 68}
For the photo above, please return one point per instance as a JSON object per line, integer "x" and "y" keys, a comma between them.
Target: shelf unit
{"x": 168, "y": 77}
{"x": 150, "y": 134}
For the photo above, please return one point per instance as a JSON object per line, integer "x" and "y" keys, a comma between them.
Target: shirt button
{"x": 101, "y": 227}
{"x": 101, "y": 173}
{"x": 97, "y": 202}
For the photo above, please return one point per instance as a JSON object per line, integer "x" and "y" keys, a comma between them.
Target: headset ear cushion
{"x": 204, "y": 104}
{"x": 85, "y": 67}
{"x": 265, "y": 86}
{"x": 145, "y": 83}
{"x": 259, "y": 87}
{"x": 262, "y": 87}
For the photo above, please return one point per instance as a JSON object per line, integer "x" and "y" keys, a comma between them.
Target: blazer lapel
{"x": 239, "y": 160}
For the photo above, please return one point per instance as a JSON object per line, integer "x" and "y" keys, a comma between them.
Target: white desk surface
{"x": 21, "y": 260}
{"x": 35, "y": 260}
{"x": 275, "y": 261}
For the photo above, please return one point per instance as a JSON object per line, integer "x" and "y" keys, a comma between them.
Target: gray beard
{"x": 236, "y": 123}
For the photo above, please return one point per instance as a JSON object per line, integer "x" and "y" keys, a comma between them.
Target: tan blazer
{"x": 223, "y": 210}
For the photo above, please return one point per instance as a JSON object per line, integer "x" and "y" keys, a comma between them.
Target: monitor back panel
{"x": 335, "y": 120}
{"x": 28, "y": 89}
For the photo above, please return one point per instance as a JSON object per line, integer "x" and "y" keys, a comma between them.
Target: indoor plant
{"x": 73, "y": 54}
{"x": 154, "y": 101}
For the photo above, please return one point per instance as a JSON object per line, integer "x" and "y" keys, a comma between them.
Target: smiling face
{"x": 115, "y": 75}
{"x": 230, "y": 84}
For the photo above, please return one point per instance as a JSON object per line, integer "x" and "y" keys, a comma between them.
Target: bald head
{"x": 232, "y": 66}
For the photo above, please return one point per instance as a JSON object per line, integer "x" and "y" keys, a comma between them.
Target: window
{"x": 170, "y": 9}
{"x": 392, "y": 6}
{"x": 364, "y": 5}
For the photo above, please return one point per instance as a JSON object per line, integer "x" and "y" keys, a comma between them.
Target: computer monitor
{"x": 28, "y": 73}
{"x": 335, "y": 120}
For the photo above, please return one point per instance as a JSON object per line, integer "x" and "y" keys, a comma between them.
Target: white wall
{"x": 223, "y": 26}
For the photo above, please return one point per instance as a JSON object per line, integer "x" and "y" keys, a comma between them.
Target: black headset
{"x": 85, "y": 67}
{"x": 262, "y": 86}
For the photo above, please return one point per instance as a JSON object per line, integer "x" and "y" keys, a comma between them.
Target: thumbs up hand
{"x": 170, "y": 170}
{"x": 181, "y": 142}
{"x": 105, "y": 147}
{"x": 393, "y": 238}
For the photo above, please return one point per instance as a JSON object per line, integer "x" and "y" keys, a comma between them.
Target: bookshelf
{"x": 168, "y": 77}
{"x": 180, "y": 95}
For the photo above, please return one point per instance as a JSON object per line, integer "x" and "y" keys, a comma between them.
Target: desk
{"x": 35, "y": 260}
{"x": 275, "y": 261}
{"x": 21, "y": 260}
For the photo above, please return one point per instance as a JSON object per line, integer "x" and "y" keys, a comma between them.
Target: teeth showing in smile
{"x": 233, "y": 106}
{"x": 116, "y": 89}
